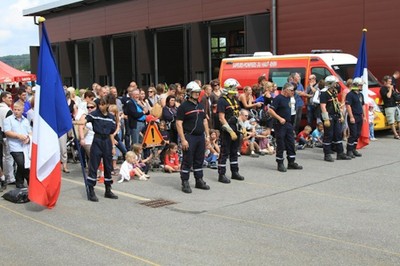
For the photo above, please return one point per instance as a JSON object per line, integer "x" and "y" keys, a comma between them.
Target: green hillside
{"x": 21, "y": 62}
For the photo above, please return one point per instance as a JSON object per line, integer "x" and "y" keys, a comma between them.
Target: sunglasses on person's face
{"x": 91, "y": 107}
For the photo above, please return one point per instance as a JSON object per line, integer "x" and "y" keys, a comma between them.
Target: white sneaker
{"x": 143, "y": 178}
{"x": 121, "y": 180}
{"x": 147, "y": 176}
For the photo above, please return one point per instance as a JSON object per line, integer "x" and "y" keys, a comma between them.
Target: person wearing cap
{"x": 191, "y": 124}
{"x": 228, "y": 113}
{"x": 280, "y": 110}
{"x": 356, "y": 116}
{"x": 332, "y": 117}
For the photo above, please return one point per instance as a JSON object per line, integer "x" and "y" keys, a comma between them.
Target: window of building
{"x": 218, "y": 46}
{"x": 223, "y": 45}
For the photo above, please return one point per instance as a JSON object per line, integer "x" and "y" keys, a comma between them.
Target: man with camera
{"x": 388, "y": 94}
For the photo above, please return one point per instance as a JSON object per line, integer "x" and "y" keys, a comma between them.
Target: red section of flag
{"x": 363, "y": 140}
{"x": 46, "y": 192}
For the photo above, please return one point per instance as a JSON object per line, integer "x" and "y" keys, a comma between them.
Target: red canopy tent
{"x": 9, "y": 74}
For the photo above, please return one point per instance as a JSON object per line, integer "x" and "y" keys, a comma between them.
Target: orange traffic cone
{"x": 100, "y": 173}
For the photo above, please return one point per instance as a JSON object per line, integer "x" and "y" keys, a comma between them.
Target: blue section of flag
{"x": 362, "y": 58}
{"x": 53, "y": 104}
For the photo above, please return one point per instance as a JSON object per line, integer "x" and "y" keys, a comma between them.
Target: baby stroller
{"x": 72, "y": 150}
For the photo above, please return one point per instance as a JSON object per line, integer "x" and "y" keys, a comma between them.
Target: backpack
{"x": 18, "y": 195}
{"x": 157, "y": 109}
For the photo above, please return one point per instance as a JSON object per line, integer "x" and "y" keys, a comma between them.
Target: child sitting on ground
{"x": 171, "y": 162}
{"x": 264, "y": 140}
{"x": 317, "y": 135}
{"x": 304, "y": 138}
{"x": 212, "y": 150}
{"x": 249, "y": 146}
{"x": 129, "y": 170}
{"x": 141, "y": 163}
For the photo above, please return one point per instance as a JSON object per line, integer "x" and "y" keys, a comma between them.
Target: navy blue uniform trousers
{"x": 194, "y": 156}
{"x": 284, "y": 136}
{"x": 355, "y": 132}
{"x": 101, "y": 149}
{"x": 333, "y": 135}
{"x": 229, "y": 148}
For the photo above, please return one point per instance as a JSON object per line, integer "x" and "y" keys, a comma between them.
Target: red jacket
{"x": 171, "y": 159}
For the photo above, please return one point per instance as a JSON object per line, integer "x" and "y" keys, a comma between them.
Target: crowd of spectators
{"x": 131, "y": 106}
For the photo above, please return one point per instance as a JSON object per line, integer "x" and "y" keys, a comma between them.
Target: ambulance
{"x": 276, "y": 68}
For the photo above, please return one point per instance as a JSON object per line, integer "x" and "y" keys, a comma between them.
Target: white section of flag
{"x": 48, "y": 154}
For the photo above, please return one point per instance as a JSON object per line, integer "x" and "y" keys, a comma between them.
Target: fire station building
{"x": 152, "y": 41}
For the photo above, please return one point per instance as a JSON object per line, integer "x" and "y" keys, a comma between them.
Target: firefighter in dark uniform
{"x": 280, "y": 110}
{"x": 102, "y": 147}
{"x": 191, "y": 124}
{"x": 228, "y": 112}
{"x": 333, "y": 119}
{"x": 356, "y": 116}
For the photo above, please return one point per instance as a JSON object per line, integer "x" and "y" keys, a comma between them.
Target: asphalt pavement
{"x": 340, "y": 213}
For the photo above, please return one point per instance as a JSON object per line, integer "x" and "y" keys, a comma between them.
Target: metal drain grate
{"x": 157, "y": 203}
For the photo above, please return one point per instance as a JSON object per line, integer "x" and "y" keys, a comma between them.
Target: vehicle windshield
{"x": 347, "y": 71}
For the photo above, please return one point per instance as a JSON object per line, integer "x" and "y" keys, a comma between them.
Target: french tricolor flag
{"x": 361, "y": 71}
{"x": 52, "y": 119}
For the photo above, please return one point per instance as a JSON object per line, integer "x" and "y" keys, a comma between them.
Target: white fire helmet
{"x": 192, "y": 87}
{"x": 331, "y": 80}
{"x": 358, "y": 81}
{"x": 230, "y": 86}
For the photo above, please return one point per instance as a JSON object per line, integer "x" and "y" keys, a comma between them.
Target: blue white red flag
{"x": 52, "y": 119}
{"x": 362, "y": 65}
{"x": 362, "y": 72}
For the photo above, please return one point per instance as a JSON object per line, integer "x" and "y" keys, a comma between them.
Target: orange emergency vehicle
{"x": 321, "y": 63}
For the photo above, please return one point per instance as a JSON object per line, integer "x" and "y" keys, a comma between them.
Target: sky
{"x": 17, "y": 32}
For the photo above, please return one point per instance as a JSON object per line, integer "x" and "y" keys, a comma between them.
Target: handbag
{"x": 156, "y": 110}
{"x": 18, "y": 195}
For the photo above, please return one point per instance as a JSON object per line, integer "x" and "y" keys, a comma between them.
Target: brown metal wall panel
{"x": 232, "y": 8}
{"x": 302, "y": 25}
{"x": 173, "y": 12}
{"x": 383, "y": 25}
{"x": 88, "y": 23}
{"x": 144, "y": 14}
{"x": 58, "y": 28}
{"x": 126, "y": 17}
{"x": 324, "y": 24}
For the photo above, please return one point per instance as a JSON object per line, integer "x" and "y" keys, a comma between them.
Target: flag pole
{"x": 78, "y": 146}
